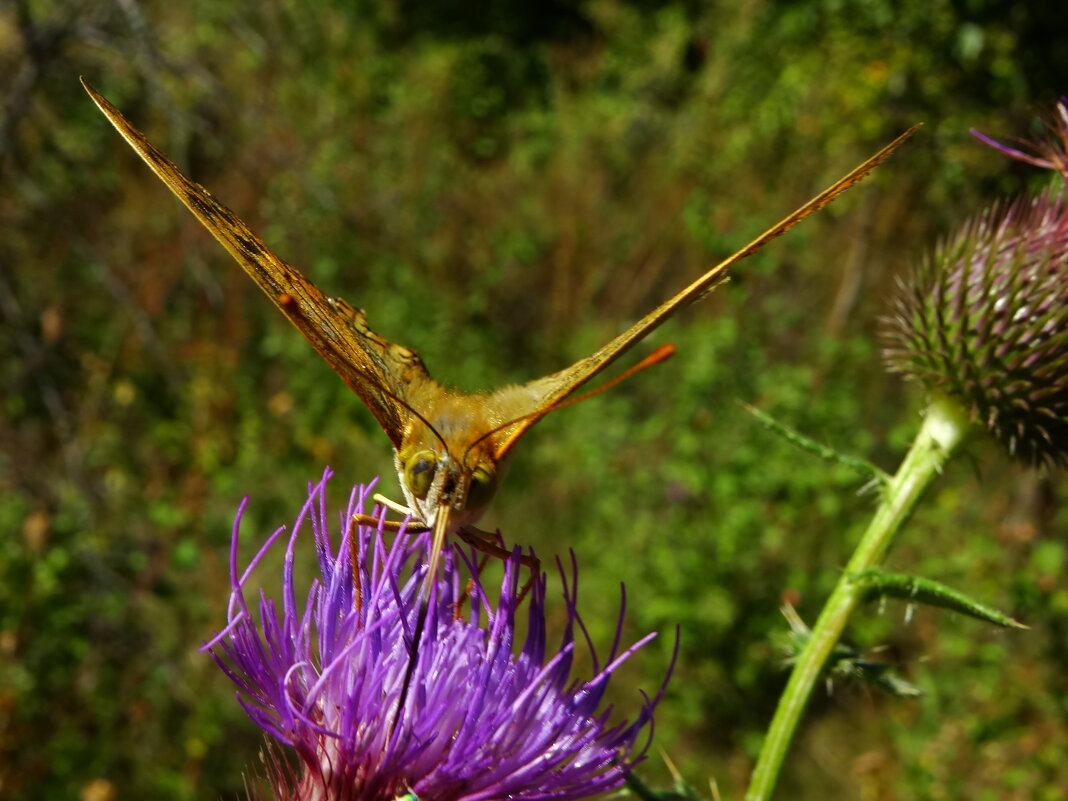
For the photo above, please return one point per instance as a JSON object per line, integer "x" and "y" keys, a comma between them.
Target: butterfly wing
{"x": 543, "y": 393}
{"x": 380, "y": 372}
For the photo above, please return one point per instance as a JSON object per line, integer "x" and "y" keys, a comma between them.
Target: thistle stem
{"x": 944, "y": 425}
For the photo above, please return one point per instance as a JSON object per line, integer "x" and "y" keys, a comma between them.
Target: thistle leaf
{"x": 914, "y": 589}
{"x": 881, "y": 675}
{"x": 791, "y": 435}
{"x": 846, "y": 663}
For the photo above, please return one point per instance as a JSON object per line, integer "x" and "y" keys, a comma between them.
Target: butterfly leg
{"x": 394, "y": 526}
{"x": 469, "y": 588}
{"x": 412, "y": 527}
{"x": 488, "y": 544}
{"x": 389, "y": 503}
{"x": 354, "y": 560}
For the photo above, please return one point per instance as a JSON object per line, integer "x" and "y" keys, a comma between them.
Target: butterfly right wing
{"x": 542, "y": 394}
{"x": 380, "y": 372}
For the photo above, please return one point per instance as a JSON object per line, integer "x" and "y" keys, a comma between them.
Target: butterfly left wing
{"x": 543, "y": 393}
{"x": 386, "y": 376}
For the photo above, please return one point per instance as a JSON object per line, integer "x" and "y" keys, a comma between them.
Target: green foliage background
{"x": 504, "y": 186}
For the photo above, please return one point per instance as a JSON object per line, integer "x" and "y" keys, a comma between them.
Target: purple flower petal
{"x": 457, "y": 717}
{"x": 1050, "y": 153}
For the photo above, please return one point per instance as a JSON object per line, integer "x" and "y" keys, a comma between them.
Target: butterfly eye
{"x": 483, "y": 485}
{"x": 419, "y": 472}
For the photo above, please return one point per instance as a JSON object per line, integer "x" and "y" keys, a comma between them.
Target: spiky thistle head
{"x": 985, "y": 320}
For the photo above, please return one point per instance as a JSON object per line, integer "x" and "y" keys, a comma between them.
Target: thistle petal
{"x": 1050, "y": 153}
{"x": 382, "y": 695}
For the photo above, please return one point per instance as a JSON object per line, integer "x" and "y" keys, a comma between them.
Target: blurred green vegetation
{"x": 504, "y": 187}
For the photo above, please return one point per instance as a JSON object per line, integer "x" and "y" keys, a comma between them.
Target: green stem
{"x": 944, "y": 425}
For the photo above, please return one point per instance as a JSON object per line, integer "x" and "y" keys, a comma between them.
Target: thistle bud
{"x": 985, "y": 321}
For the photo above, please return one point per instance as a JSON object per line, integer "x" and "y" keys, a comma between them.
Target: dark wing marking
{"x": 380, "y": 372}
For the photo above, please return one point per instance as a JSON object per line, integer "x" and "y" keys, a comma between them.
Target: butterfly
{"x": 449, "y": 446}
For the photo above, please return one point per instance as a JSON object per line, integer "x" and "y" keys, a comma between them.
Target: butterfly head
{"x": 437, "y": 479}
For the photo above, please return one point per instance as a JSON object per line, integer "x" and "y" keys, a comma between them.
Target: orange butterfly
{"x": 449, "y": 446}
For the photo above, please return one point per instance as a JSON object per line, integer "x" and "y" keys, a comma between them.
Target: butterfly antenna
{"x": 425, "y": 422}
{"x": 661, "y": 354}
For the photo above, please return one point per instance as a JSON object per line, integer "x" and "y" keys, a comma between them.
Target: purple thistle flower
{"x": 335, "y": 676}
{"x": 1050, "y": 153}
